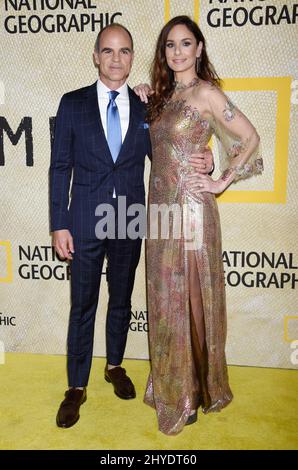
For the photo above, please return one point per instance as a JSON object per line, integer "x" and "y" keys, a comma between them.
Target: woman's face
{"x": 182, "y": 49}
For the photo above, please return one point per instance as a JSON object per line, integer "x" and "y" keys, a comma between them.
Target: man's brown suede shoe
{"x": 123, "y": 386}
{"x": 68, "y": 413}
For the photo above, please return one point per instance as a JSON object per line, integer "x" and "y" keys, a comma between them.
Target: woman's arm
{"x": 240, "y": 156}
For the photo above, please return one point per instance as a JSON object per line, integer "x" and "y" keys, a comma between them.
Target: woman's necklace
{"x": 183, "y": 86}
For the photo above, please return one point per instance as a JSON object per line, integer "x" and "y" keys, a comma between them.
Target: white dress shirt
{"x": 122, "y": 102}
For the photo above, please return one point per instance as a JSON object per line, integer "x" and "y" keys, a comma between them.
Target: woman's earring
{"x": 198, "y": 63}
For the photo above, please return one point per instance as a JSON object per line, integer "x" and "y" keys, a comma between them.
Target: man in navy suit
{"x": 101, "y": 140}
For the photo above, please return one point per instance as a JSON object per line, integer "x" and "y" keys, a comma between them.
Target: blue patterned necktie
{"x": 114, "y": 135}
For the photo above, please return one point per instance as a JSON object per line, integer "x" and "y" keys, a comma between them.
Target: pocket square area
{"x": 143, "y": 125}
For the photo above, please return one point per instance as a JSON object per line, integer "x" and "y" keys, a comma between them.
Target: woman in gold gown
{"x": 186, "y": 293}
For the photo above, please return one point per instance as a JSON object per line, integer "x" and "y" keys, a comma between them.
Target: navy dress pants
{"x": 86, "y": 270}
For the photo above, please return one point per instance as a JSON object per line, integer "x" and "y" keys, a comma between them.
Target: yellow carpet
{"x": 263, "y": 414}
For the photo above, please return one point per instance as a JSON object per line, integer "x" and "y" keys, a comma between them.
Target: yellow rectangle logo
{"x": 282, "y": 87}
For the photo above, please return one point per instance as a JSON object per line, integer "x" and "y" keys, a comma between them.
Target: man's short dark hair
{"x": 113, "y": 25}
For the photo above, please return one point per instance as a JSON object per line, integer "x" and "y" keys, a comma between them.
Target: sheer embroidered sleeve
{"x": 239, "y": 142}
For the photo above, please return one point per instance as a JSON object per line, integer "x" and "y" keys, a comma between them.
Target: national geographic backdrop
{"x": 46, "y": 50}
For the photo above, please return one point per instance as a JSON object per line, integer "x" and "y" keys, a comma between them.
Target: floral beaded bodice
{"x": 181, "y": 127}
{"x": 179, "y": 133}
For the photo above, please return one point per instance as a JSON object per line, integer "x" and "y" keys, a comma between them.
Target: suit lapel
{"x": 95, "y": 121}
{"x": 132, "y": 127}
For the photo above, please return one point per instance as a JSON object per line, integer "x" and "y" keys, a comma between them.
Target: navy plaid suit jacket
{"x": 80, "y": 151}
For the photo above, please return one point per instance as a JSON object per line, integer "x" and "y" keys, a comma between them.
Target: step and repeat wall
{"x": 46, "y": 50}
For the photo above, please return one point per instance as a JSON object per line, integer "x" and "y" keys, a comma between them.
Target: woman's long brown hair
{"x": 162, "y": 77}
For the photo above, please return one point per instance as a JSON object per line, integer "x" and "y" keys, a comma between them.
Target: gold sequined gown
{"x": 185, "y": 277}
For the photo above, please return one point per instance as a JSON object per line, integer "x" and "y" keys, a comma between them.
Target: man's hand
{"x": 143, "y": 90}
{"x": 63, "y": 243}
{"x": 202, "y": 162}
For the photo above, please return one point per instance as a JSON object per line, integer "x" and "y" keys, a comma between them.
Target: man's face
{"x": 115, "y": 57}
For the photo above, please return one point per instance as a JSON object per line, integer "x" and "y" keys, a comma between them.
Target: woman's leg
{"x": 198, "y": 340}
